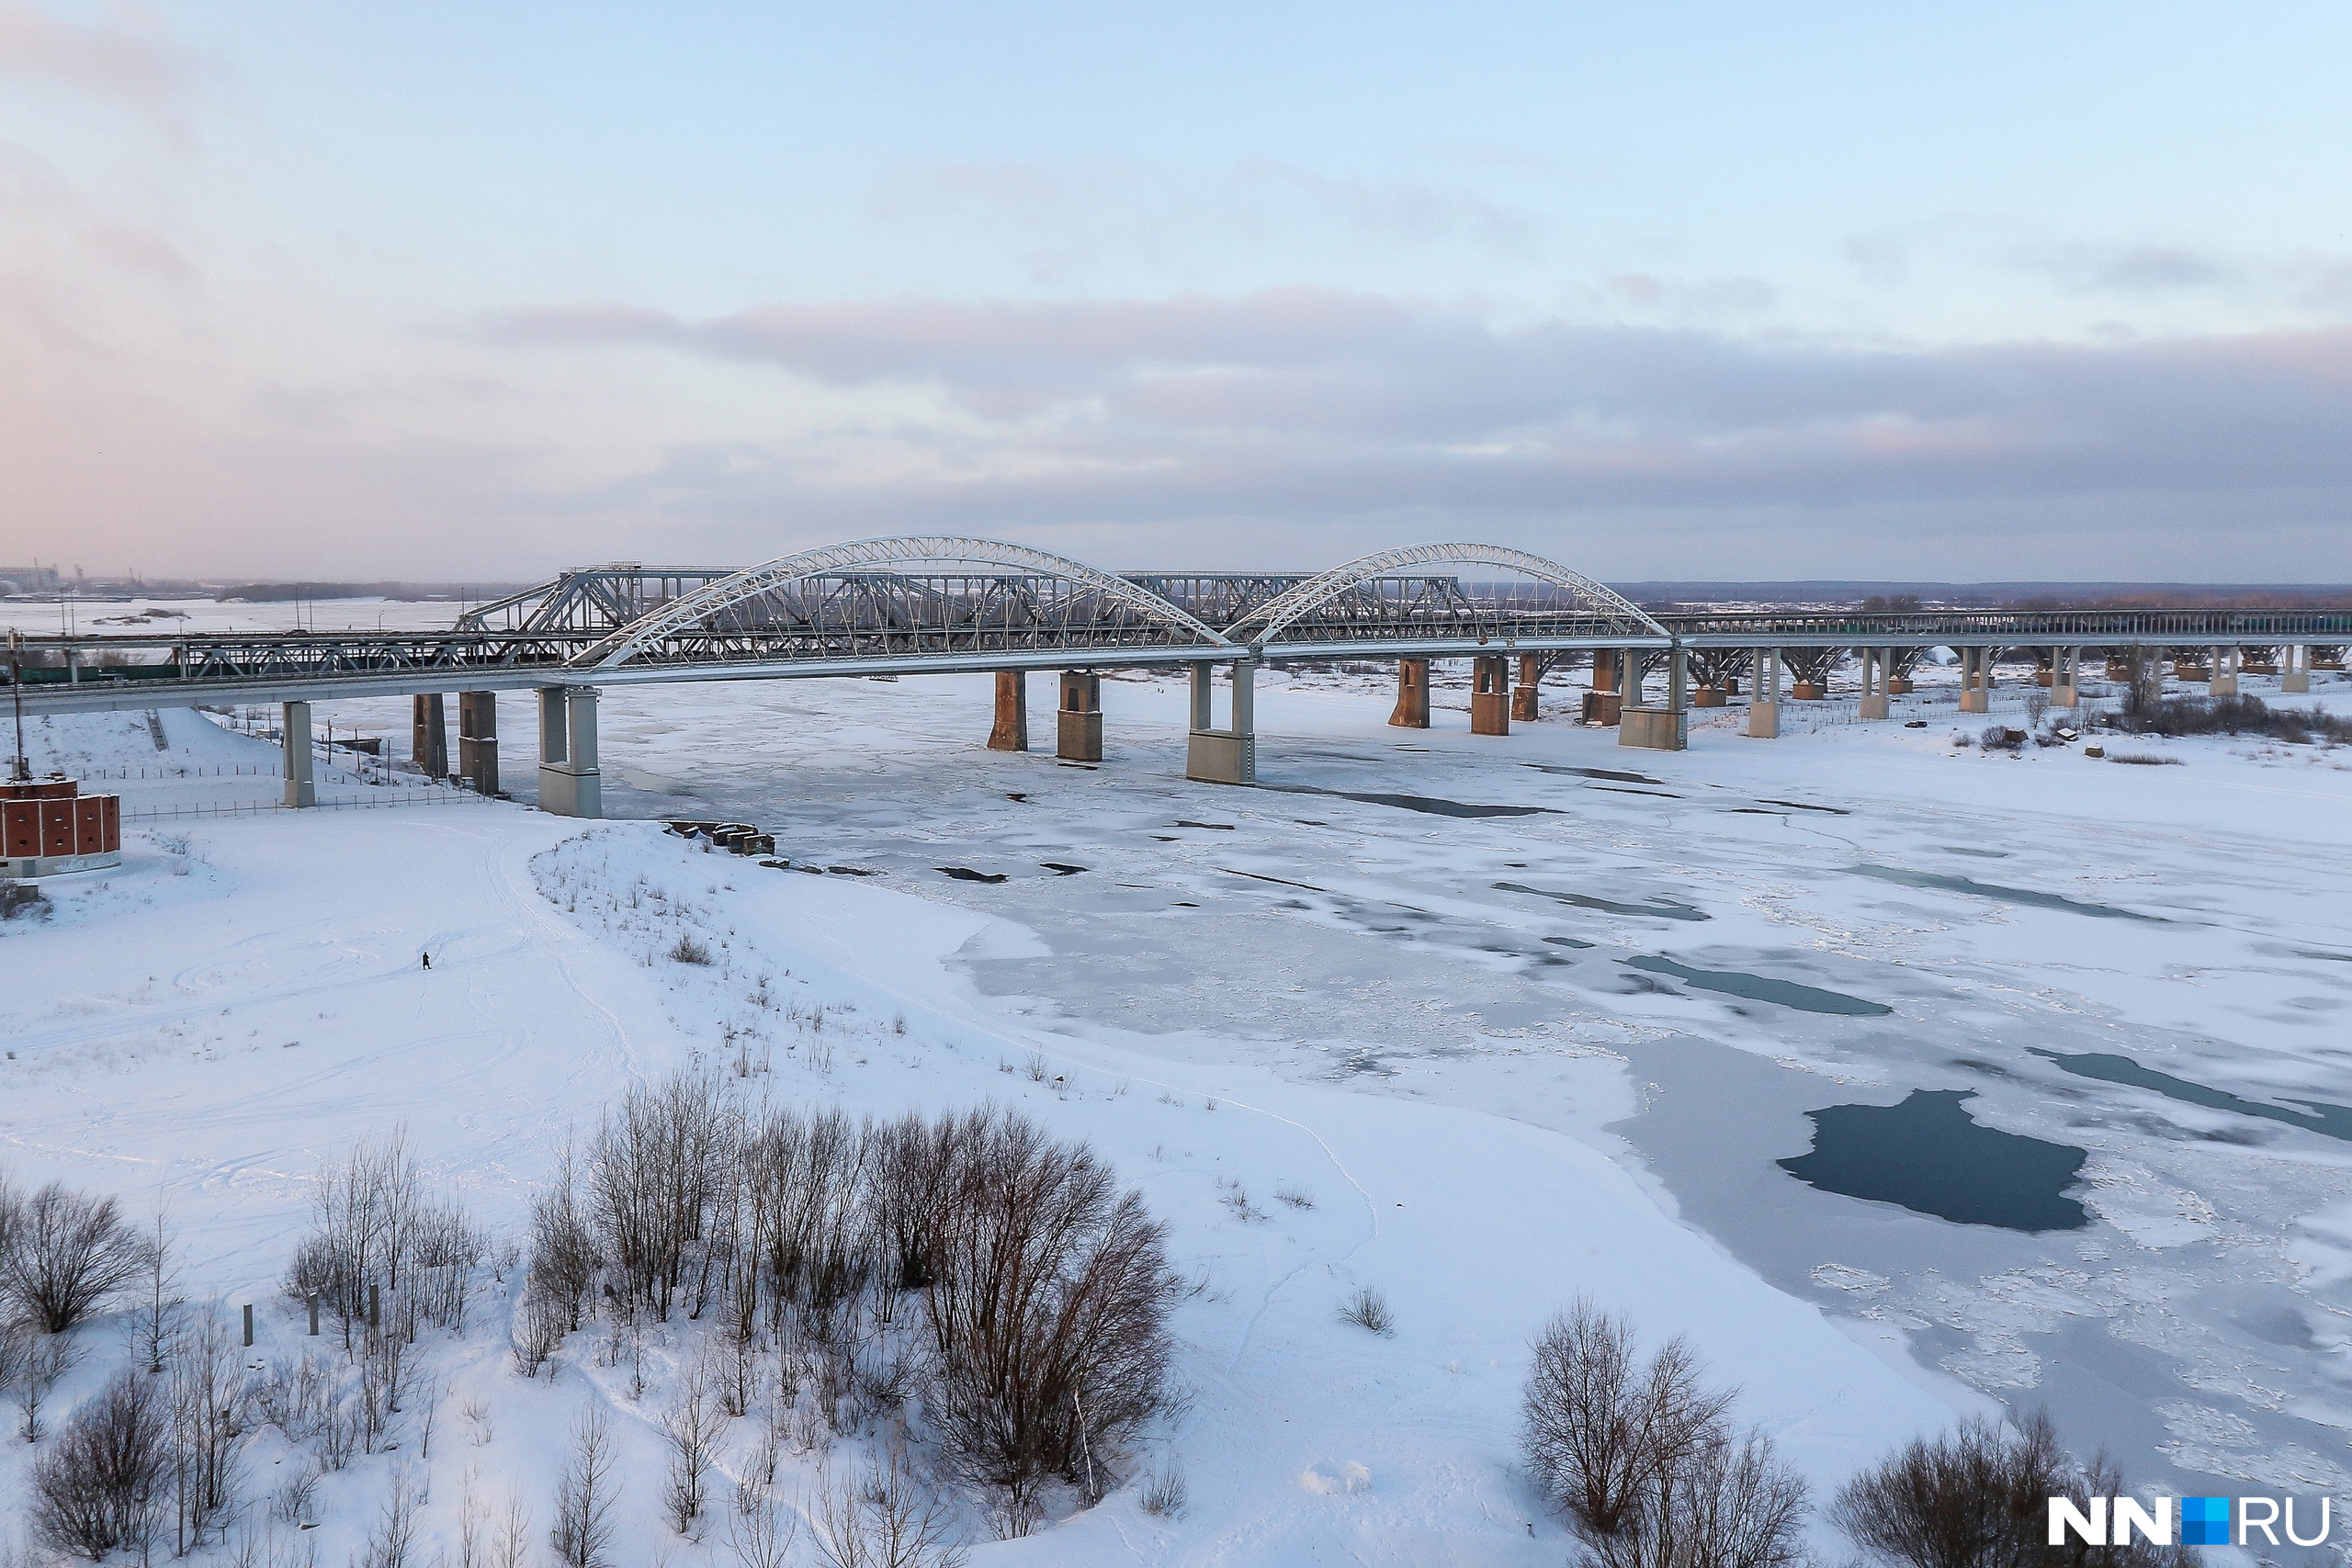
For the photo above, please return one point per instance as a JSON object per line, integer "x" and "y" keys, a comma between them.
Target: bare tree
{"x": 584, "y": 1494}
{"x": 881, "y": 1518}
{"x": 159, "y": 1298}
{"x": 760, "y": 1531}
{"x": 693, "y": 1424}
{"x": 66, "y": 1252}
{"x": 207, "y": 1431}
{"x": 1729, "y": 1503}
{"x": 41, "y": 1359}
{"x": 393, "y": 1538}
{"x": 100, "y": 1487}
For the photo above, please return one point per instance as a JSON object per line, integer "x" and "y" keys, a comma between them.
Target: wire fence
{"x": 343, "y": 803}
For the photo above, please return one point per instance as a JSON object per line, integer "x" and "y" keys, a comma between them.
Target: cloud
{"x": 2130, "y": 269}
{"x": 128, "y": 57}
{"x": 1308, "y": 409}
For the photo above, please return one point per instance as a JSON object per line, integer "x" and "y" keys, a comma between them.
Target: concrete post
{"x": 1601, "y": 704}
{"x": 1522, "y": 697}
{"x": 569, "y": 783}
{"x": 294, "y": 735}
{"x": 1975, "y": 680}
{"x": 1630, "y": 675}
{"x": 429, "y": 735}
{"x": 1224, "y": 756}
{"x": 1078, "y": 722}
{"x": 1660, "y": 729}
{"x": 2224, "y": 682}
{"x": 478, "y": 739}
{"x": 2066, "y": 672}
{"x": 1490, "y": 695}
{"x": 1874, "y": 682}
{"x": 2295, "y": 674}
{"x": 1412, "y": 711}
{"x": 1012, "y": 730}
{"x": 1764, "y": 707}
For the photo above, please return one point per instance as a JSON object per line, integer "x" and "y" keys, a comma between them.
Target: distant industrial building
{"x": 28, "y": 580}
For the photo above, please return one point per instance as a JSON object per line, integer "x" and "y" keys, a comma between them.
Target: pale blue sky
{"x": 1666, "y": 291}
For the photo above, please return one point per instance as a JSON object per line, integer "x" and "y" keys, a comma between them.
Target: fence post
{"x": 249, "y": 1324}
{"x": 313, "y": 1300}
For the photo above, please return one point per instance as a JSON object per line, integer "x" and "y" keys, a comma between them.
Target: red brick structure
{"x": 48, "y": 826}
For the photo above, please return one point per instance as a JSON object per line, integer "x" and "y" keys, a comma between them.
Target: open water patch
{"x": 1431, "y": 804}
{"x": 1929, "y": 1156}
{"x": 1762, "y": 988}
{"x": 966, "y": 873}
{"x": 1658, "y": 909}
{"x": 1614, "y": 775}
{"x": 2025, "y": 896}
{"x": 2327, "y": 1120}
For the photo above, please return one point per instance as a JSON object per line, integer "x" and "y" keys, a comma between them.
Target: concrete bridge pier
{"x": 1975, "y": 680}
{"x": 1661, "y": 730}
{"x": 1875, "y": 664}
{"x": 1764, "y": 707}
{"x": 2295, "y": 669}
{"x": 1078, "y": 722}
{"x": 2065, "y": 677}
{"x": 1412, "y": 710}
{"x": 1012, "y": 730}
{"x": 294, "y": 735}
{"x": 570, "y": 783}
{"x": 2224, "y": 682}
{"x": 1490, "y": 695}
{"x": 478, "y": 740}
{"x": 1224, "y": 756}
{"x": 429, "y": 735}
{"x": 1522, "y": 696}
{"x": 1603, "y": 702}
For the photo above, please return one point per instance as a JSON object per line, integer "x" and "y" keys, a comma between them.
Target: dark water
{"x": 966, "y": 873}
{"x": 1429, "y": 804}
{"x": 2328, "y": 1121}
{"x": 1060, "y": 869}
{"x": 1800, "y": 806}
{"x": 1760, "y": 989}
{"x": 1659, "y": 909}
{"x": 2025, "y": 896}
{"x": 1567, "y": 941}
{"x": 1612, "y": 774}
{"x": 1929, "y": 1156}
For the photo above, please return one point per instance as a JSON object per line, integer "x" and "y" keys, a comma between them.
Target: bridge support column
{"x": 570, "y": 783}
{"x": 1490, "y": 695}
{"x": 429, "y": 735}
{"x": 1603, "y": 702}
{"x": 1224, "y": 756}
{"x": 294, "y": 735}
{"x": 478, "y": 740}
{"x": 1522, "y": 696}
{"x": 2066, "y": 678}
{"x": 2224, "y": 682}
{"x": 1666, "y": 728}
{"x": 1012, "y": 730}
{"x": 1412, "y": 711}
{"x": 1975, "y": 680}
{"x": 1764, "y": 707}
{"x": 2295, "y": 672}
{"x": 1874, "y": 682}
{"x": 1078, "y": 722}
{"x": 1631, "y": 678}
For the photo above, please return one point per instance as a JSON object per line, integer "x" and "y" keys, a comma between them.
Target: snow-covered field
{"x": 1382, "y": 1004}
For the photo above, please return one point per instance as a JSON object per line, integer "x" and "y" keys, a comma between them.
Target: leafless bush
{"x": 2144, "y": 760}
{"x": 584, "y": 1495}
{"x": 1296, "y": 1196}
{"x": 1729, "y": 1503}
{"x": 1367, "y": 1308}
{"x": 882, "y": 1518}
{"x": 64, "y": 1253}
{"x": 1047, "y": 1308}
{"x": 100, "y": 1486}
{"x": 1610, "y": 1443}
{"x": 688, "y": 950}
{"x": 376, "y": 1223}
{"x": 1981, "y": 1496}
{"x": 39, "y": 1360}
{"x": 392, "y": 1540}
{"x": 1165, "y": 1493}
{"x": 760, "y": 1531}
{"x": 159, "y": 1298}
{"x": 652, "y": 1173}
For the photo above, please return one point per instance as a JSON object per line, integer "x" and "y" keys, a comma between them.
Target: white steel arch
{"x": 1272, "y": 618}
{"x": 927, "y": 551}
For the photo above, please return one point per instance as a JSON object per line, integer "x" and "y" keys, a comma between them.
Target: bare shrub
{"x": 207, "y": 1431}
{"x": 2144, "y": 760}
{"x": 693, "y": 1424}
{"x": 1298, "y": 1197}
{"x": 688, "y": 950}
{"x": 65, "y": 1252}
{"x": 159, "y": 1301}
{"x": 1165, "y": 1493}
{"x": 761, "y": 1531}
{"x": 376, "y": 1223}
{"x": 652, "y": 1172}
{"x": 1729, "y": 1503}
{"x": 881, "y": 1518}
{"x": 584, "y": 1495}
{"x": 1048, "y": 1314}
{"x": 39, "y": 1360}
{"x": 393, "y": 1540}
{"x": 1981, "y": 1496}
{"x": 100, "y": 1486}
{"x": 1368, "y": 1309}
